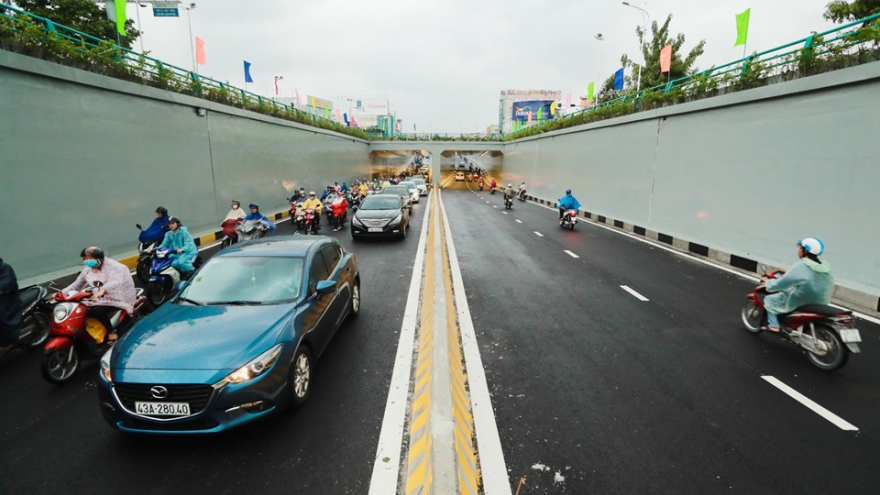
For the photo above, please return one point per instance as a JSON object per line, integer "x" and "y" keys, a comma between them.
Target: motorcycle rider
{"x": 156, "y": 231}
{"x": 493, "y": 184}
{"x": 316, "y": 204}
{"x": 236, "y": 213}
{"x": 480, "y": 184}
{"x": 809, "y": 281}
{"x": 509, "y": 192}
{"x": 183, "y": 247}
{"x": 365, "y": 189}
{"x": 256, "y": 215}
{"x": 10, "y": 308}
{"x": 522, "y": 189}
{"x": 117, "y": 290}
{"x": 567, "y": 202}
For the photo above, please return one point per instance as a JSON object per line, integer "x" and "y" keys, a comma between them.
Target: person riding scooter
{"x": 183, "y": 247}
{"x": 10, "y": 308}
{"x": 235, "y": 213}
{"x": 809, "y": 281}
{"x": 156, "y": 231}
{"x": 256, "y": 215}
{"x": 480, "y": 184}
{"x": 567, "y": 202}
{"x": 522, "y": 191}
{"x": 492, "y": 186}
{"x": 509, "y": 192}
{"x": 117, "y": 287}
{"x": 314, "y": 203}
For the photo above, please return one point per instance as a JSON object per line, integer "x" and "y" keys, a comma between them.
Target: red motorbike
{"x": 305, "y": 221}
{"x": 75, "y": 337}
{"x": 827, "y": 334}
{"x": 230, "y": 234}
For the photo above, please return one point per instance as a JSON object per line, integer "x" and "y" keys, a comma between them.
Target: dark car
{"x": 381, "y": 215}
{"x": 401, "y": 191}
{"x": 237, "y": 343}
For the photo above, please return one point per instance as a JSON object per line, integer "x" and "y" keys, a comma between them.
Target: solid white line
{"x": 816, "y": 408}
{"x": 386, "y": 466}
{"x": 518, "y": 220}
{"x": 539, "y": 234}
{"x": 634, "y": 293}
{"x": 571, "y": 254}
{"x": 746, "y": 276}
{"x": 492, "y": 465}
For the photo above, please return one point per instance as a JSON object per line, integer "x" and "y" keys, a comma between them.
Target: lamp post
{"x": 599, "y": 37}
{"x": 137, "y": 10}
{"x": 191, "y": 46}
{"x": 647, "y": 18}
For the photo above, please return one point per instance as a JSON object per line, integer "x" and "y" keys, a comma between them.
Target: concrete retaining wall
{"x": 746, "y": 173}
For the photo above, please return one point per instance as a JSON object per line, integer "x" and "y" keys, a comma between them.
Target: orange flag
{"x": 200, "y": 51}
{"x": 665, "y": 59}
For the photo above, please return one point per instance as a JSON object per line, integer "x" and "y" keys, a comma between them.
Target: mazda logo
{"x": 159, "y": 392}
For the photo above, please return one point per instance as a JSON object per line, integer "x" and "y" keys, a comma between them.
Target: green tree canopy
{"x": 650, "y": 71}
{"x": 83, "y": 15}
{"x": 841, "y": 11}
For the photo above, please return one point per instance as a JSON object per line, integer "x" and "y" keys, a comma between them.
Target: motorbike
{"x": 143, "y": 263}
{"x": 827, "y": 334}
{"x": 492, "y": 190}
{"x": 336, "y": 213}
{"x": 508, "y": 201}
{"x": 355, "y": 201}
{"x": 74, "y": 337}
{"x": 306, "y": 221}
{"x": 164, "y": 277}
{"x": 230, "y": 232}
{"x": 522, "y": 195}
{"x": 251, "y": 229}
{"x": 569, "y": 219}
{"x": 481, "y": 187}
{"x": 35, "y": 317}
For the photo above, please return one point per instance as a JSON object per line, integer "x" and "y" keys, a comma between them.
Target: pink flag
{"x": 665, "y": 59}
{"x": 339, "y": 115}
{"x": 568, "y": 101}
{"x": 276, "y": 85}
{"x": 200, "y": 51}
{"x": 299, "y": 100}
{"x": 530, "y": 117}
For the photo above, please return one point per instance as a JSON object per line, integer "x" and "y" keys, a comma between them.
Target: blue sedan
{"x": 237, "y": 343}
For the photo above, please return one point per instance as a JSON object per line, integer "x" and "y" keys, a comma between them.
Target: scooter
{"x": 164, "y": 277}
{"x": 492, "y": 190}
{"x": 230, "y": 232}
{"x": 305, "y": 221}
{"x": 336, "y": 213}
{"x": 508, "y": 202}
{"x": 522, "y": 195}
{"x": 569, "y": 219}
{"x": 36, "y": 319}
{"x": 144, "y": 260}
{"x": 75, "y": 337}
{"x": 827, "y": 334}
{"x": 251, "y": 229}
{"x": 481, "y": 187}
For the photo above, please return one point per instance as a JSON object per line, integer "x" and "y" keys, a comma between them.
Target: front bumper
{"x": 362, "y": 231}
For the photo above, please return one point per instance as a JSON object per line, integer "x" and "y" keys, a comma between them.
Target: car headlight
{"x": 60, "y": 312}
{"x": 105, "y": 365}
{"x": 253, "y": 369}
{"x": 396, "y": 220}
{"x": 356, "y": 221}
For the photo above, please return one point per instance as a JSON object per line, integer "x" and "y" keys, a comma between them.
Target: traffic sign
{"x": 165, "y": 9}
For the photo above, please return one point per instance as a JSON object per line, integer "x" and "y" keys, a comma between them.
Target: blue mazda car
{"x": 237, "y": 343}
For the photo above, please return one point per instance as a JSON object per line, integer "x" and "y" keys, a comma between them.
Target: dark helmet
{"x": 93, "y": 252}
{"x": 568, "y": 191}
{"x": 174, "y": 220}
{"x": 162, "y": 210}
{"x": 254, "y": 205}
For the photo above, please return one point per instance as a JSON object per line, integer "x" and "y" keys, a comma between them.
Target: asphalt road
{"x": 594, "y": 390}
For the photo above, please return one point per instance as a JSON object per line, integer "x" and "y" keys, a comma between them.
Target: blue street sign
{"x": 166, "y": 12}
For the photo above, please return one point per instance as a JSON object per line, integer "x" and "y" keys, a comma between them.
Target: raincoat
{"x": 118, "y": 284}
{"x": 181, "y": 239}
{"x": 235, "y": 214}
{"x": 569, "y": 203}
{"x": 364, "y": 189}
{"x": 10, "y": 306}
{"x": 807, "y": 282}
{"x": 156, "y": 231}
{"x": 260, "y": 216}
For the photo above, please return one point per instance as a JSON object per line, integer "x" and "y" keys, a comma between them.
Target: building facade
{"x": 515, "y": 106}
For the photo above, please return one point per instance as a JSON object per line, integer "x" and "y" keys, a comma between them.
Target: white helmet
{"x": 812, "y": 245}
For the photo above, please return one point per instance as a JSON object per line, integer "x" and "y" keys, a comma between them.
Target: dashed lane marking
{"x": 634, "y": 293}
{"x": 816, "y": 408}
{"x": 518, "y": 220}
{"x": 504, "y": 212}
{"x": 571, "y": 254}
{"x": 539, "y": 234}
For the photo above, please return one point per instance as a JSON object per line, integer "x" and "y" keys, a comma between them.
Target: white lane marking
{"x": 492, "y": 465}
{"x": 816, "y": 408}
{"x": 518, "y": 220}
{"x": 634, "y": 293}
{"x": 746, "y": 276}
{"x": 571, "y": 254}
{"x": 386, "y": 466}
{"x": 504, "y": 212}
{"x": 487, "y": 202}
{"x": 539, "y": 234}
{"x": 494, "y": 206}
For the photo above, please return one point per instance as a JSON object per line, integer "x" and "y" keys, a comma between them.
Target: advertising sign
{"x": 372, "y": 106}
{"x": 521, "y": 109}
{"x": 165, "y": 9}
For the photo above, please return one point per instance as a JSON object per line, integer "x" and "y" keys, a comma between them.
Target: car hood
{"x": 210, "y": 338}
{"x": 377, "y": 214}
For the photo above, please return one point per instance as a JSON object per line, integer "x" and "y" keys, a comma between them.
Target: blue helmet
{"x": 568, "y": 191}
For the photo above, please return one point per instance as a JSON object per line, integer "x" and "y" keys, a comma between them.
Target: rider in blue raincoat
{"x": 256, "y": 215}
{"x": 567, "y": 202}
{"x": 809, "y": 281}
{"x": 183, "y": 248}
{"x": 156, "y": 231}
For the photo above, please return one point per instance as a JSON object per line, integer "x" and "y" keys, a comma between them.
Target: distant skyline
{"x": 443, "y": 64}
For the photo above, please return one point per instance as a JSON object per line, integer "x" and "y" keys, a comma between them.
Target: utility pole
{"x": 191, "y": 42}
{"x": 647, "y": 18}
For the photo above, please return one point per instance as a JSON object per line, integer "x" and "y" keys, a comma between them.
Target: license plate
{"x": 374, "y": 229}
{"x": 162, "y": 408}
{"x": 850, "y": 335}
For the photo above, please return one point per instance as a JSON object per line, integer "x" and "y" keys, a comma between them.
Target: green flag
{"x": 327, "y": 112}
{"x": 120, "y": 16}
{"x": 539, "y": 112}
{"x": 590, "y": 89}
{"x": 742, "y": 27}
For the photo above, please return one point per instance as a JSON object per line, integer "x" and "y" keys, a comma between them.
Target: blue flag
{"x": 618, "y": 79}
{"x": 247, "y": 72}
{"x": 345, "y": 118}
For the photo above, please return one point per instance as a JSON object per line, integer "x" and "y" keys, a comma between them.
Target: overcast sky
{"x": 443, "y": 63}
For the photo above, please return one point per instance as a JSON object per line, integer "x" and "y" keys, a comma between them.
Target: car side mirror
{"x": 325, "y": 287}
{"x": 138, "y": 226}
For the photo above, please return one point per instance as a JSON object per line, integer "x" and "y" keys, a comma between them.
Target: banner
{"x": 247, "y": 72}
{"x": 200, "y": 51}
{"x": 521, "y": 109}
{"x": 666, "y": 59}
{"x": 742, "y": 27}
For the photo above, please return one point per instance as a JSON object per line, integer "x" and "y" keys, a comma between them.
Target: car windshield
{"x": 409, "y": 185}
{"x": 378, "y": 203}
{"x": 245, "y": 280}
{"x": 419, "y": 182}
{"x": 398, "y": 190}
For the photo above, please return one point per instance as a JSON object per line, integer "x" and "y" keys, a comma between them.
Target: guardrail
{"x": 26, "y": 33}
{"x": 807, "y": 56}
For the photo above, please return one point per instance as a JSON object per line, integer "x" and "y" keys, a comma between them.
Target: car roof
{"x": 383, "y": 195}
{"x": 406, "y": 182}
{"x": 395, "y": 188}
{"x": 288, "y": 246}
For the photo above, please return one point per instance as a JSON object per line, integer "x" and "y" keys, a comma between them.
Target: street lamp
{"x": 647, "y": 18}
{"x": 137, "y": 9}
{"x": 191, "y": 46}
{"x": 599, "y": 37}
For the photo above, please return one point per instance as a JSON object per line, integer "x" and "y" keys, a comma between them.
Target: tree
{"x": 841, "y": 11}
{"x": 83, "y": 15}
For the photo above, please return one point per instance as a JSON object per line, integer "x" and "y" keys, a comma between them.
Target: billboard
{"x": 521, "y": 109}
{"x": 368, "y": 105}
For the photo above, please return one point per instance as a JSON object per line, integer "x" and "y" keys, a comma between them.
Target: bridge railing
{"x": 23, "y": 32}
{"x": 847, "y": 45}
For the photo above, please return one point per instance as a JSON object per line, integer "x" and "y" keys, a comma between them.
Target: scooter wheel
{"x": 60, "y": 366}
{"x": 156, "y": 293}
{"x": 42, "y": 325}
{"x": 143, "y": 270}
{"x": 835, "y": 354}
